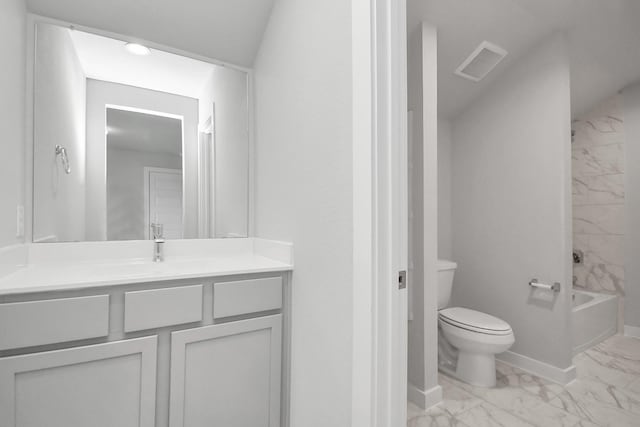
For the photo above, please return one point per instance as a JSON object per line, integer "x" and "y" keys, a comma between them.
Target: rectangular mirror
{"x": 126, "y": 137}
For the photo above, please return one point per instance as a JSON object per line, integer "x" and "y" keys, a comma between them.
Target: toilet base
{"x": 476, "y": 369}
{"x": 472, "y": 368}
{"x": 483, "y": 375}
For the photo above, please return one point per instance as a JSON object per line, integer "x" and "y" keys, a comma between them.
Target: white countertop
{"x": 70, "y": 266}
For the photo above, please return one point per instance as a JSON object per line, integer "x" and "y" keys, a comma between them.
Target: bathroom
{"x": 97, "y": 307}
{"x": 514, "y": 203}
{"x": 265, "y": 299}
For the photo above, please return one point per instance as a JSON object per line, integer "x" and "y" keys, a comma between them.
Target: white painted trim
{"x": 410, "y": 224}
{"x": 29, "y": 129}
{"x": 601, "y": 337}
{"x": 424, "y": 399}
{"x": 206, "y": 175}
{"x": 213, "y": 194}
{"x": 399, "y": 204}
{"x": 251, "y": 184}
{"x": 536, "y": 367}
{"x": 379, "y": 391}
{"x": 205, "y": 131}
{"x": 363, "y": 393}
{"x": 428, "y": 43}
{"x": 631, "y": 331}
{"x": 389, "y": 137}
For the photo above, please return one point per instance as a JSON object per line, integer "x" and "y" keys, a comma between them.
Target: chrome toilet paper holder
{"x": 535, "y": 284}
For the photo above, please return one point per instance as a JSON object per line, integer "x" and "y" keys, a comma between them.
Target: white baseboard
{"x": 538, "y": 368}
{"x": 586, "y": 346}
{"x": 424, "y": 399}
{"x": 631, "y": 331}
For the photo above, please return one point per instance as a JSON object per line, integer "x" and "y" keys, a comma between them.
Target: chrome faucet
{"x": 158, "y": 240}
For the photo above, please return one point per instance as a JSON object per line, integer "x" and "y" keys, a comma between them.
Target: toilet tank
{"x": 446, "y": 269}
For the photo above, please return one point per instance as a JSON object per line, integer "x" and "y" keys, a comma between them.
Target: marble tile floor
{"x": 605, "y": 393}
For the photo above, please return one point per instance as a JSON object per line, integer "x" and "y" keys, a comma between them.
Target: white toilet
{"x": 468, "y": 340}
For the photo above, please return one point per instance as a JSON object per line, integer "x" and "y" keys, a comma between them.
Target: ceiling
{"x": 103, "y": 58}
{"x": 130, "y": 130}
{"x": 603, "y": 35}
{"x": 227, "y": 30}
{"x": 603, "y": 38}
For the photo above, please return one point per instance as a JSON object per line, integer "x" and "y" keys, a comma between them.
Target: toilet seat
{"x": 474, "y": 321}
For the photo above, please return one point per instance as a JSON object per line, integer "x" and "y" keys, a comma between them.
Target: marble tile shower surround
{"x": 598, "y": 197}
{"x": 606, "y": 393}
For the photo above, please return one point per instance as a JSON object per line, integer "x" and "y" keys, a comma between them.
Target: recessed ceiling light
{"x": 137, "y": 49}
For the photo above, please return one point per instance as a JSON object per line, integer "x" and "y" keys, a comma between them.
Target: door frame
{"x": 380, "y": 211}
{"x": 147, "y": 196}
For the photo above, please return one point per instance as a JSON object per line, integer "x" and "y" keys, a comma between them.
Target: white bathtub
{"x": 594, "y": 318}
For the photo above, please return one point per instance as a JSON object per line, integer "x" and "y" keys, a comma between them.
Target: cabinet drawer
{"x": 26, "y": 324}
{"x": 157, "y": 308}
{"x": 246, "y": 296}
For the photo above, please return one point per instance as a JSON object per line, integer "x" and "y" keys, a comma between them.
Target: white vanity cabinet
{"x": 186, "y": 353}
{"x": 102, "y": 385}
{"x": 227, "y": 375}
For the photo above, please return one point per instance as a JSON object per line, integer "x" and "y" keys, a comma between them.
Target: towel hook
{"x": 62, "y": 152}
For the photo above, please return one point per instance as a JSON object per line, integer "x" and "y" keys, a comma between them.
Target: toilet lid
{"x": 474, "y": 321}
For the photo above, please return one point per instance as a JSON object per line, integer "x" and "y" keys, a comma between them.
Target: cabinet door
{"x": 102, "y": 385}
{"x": 227, "y": 375}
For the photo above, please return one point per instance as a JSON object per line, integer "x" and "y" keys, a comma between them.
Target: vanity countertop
{"x": 71, "y": 266}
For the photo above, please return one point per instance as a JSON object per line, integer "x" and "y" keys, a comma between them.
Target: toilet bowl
{"x": 476, "y": 338}
{"x": 468, "y": 339}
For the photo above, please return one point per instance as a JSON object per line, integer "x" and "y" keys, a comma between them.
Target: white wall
{"x": 59, "y": 118}
{"x": 304, "y": 193}
{"x": 445, "y": 243}
{"x": 227, "y": 89}
{"x": 423, "y": 328}
{"x": 512, "y": 203}
{"x": 99, "y": 94}
{"x": 125, "y": 189}
{"x": 631, "y": 99}
{"x": 12, "y": 119}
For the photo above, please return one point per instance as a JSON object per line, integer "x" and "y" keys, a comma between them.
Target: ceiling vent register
{"x": 481, "y": 61}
